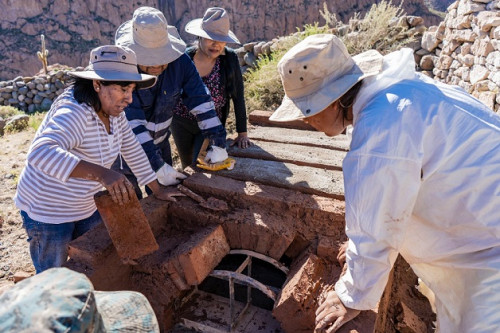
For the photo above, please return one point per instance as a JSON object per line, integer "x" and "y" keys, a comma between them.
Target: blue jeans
{"x": 49, "y": 242}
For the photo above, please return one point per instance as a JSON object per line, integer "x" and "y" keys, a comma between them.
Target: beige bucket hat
{"x": 114, "y": 63}
{"x": 214, "y": 25}
{"x": 152, "y": 39}
{"x": 318, "y": 71}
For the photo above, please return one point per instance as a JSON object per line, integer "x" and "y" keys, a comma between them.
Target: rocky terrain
{"x": 73, "y": 28}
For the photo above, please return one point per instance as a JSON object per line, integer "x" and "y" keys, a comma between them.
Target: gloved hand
{"x": 169, "y": 176}
{"x": 216, "y": 154}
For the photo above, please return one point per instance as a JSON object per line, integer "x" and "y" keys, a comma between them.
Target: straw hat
{"x": 214, "y": 25}
{"x": 318, "y": 71}
{"x": 152, "y": 39}
{"x": 114, "y": 63}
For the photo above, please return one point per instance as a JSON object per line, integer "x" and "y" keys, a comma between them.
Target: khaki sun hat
{"x": 214, "y": 25}
{"x": 318, "y": 71}
{"x": 114, "y": 63}
{"x": 152, "y": 39}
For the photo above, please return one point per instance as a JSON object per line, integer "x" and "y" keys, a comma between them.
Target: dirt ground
{"x": 14, "y": 251}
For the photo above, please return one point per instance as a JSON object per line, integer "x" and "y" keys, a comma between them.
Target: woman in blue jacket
{"x": 160, "y": 52}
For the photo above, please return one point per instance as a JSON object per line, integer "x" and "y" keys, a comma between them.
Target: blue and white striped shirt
{"x": 69, "y": 133}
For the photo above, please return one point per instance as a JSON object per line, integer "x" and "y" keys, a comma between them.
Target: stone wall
{"x": 72, "y": 28}
{"x": 464, "y": 49}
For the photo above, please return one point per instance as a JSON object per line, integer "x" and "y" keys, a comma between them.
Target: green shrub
{"x": 36, "y": 120}
{"x": 8, "y": 111}
{"x": 17, "y": 126}
{"x": 263, "y": 90}
{"x": 375, "y": 31}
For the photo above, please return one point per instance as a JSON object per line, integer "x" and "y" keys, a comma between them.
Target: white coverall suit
{"x": 422, "y": 178}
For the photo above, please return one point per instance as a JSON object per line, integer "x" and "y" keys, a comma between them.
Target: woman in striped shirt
{"x": 70, "y": 157}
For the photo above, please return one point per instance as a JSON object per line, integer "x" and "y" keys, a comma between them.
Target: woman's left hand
{"x": 242, "y": 140}
{"x": 332, "y": 314}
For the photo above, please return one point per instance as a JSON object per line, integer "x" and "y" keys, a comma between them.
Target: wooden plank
{"x": 299, "y": 137}
{"x": 261, "y": 118}
{"x": 329, "y": 183}
{"x": 291, "y": 153}
{"x": 127, "y": 226}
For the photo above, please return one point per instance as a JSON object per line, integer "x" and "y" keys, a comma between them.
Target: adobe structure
{"x": 265, "y": 263}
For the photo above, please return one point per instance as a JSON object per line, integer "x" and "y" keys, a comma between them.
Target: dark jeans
{"x": 188, "y": 139}
{"x": 49, "y": 242}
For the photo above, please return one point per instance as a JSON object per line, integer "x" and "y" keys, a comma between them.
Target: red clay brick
{"x": 202, "y": 253}
{"x": 128, "y": 227}
{"x": 328, "y": 248}
{"x": 315, "y": 214}
{"x": 297, "y": 302}
{"x": 408, "y": 321}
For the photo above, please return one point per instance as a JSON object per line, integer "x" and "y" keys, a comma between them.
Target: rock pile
{"x": 31, "y": 94}
{"x": 464, "y": 49}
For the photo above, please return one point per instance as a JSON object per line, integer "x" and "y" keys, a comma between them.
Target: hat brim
{"x": 331, "y": 89}
{"x": 194, "y": 27}
{"x": 125, "y": 311}
{"x": 142, "y": 81}
{"x": 151, "y": 56}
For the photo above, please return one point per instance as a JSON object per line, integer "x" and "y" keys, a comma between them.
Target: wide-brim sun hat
{"x": 214, "y": 25}
{"x": 62, "y": 300}
{"x": 154, "y": 41}
{"x": 114, "y": 63}
{"x": 316, "y": 72}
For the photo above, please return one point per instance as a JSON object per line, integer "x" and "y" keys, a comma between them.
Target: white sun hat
{"x": 318, "y": 71}
{"x": 114, "y": 63}
{"x": 152, "y": 39}
{"x": 214, "y": 25}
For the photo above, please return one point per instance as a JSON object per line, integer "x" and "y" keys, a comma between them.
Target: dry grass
{"x": 263, "y": 89}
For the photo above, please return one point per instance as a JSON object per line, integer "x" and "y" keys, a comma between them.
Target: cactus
{"x": 43, "y": 55}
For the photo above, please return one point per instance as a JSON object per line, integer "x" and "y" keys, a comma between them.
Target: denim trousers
{"x": 49, "y": 242}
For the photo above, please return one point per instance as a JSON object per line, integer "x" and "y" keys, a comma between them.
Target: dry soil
{"x": 14, "y": 251}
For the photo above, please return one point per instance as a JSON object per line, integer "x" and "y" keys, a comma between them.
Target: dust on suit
{"x": 422, "y": 179}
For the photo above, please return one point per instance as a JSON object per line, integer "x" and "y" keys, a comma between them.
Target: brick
{"x": 328, "y": 248}
{"x": 317, "y": 214}
{"x": 203, "y": 253}
{"x": 127, "y": 226}
{"x": 92, "y": 247}
{"x": 408, "y": 321}
{"x": 298, "y": 300}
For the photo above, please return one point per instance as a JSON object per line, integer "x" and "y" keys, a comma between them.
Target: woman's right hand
{"x": 118, "y": 186}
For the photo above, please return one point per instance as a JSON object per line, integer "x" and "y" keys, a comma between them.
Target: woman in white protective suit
{"x": 422, "y": 179}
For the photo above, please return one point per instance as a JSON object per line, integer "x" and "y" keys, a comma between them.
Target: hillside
{"x": 73, "y": 28}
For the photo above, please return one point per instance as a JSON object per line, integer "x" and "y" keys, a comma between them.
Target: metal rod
{"x": 249, "y": 288}
{"x": 244, "y": 264}
{"x": 231, "y": 303}
{"x": 245, "y": 280}
{"x": 200, "y": 327}
{"x": 265, "y": 258}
